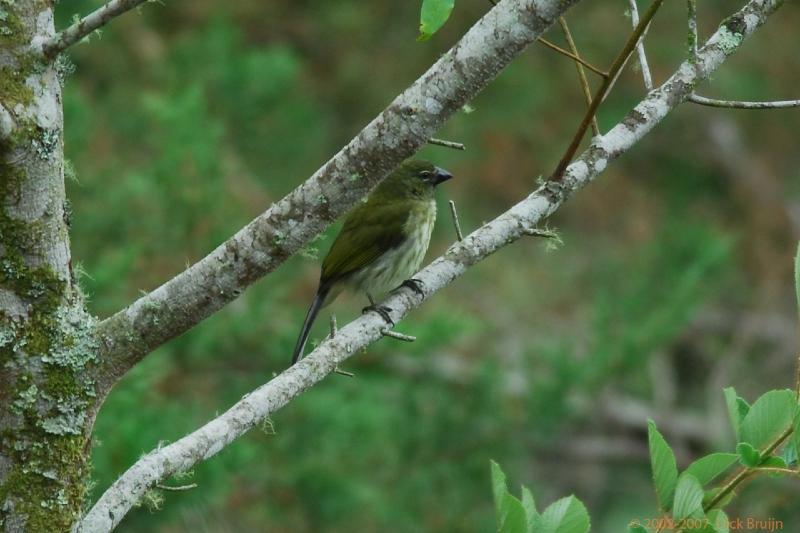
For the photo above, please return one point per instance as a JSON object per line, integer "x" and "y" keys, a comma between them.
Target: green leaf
{"x": 532, "y": 516}
{"x": 719, "y": 520}
{"x": 662, "y": 462}
{"x": 637, "y": 528}
{"x": 773, "y": 461}
{"x": 748, "y": 455}
{"x": 688, "y": 498}
{"x": 770, "y": 416}
{"x": 499, "y": 488}
{"x": 707, "y": 468}
{"x": 737, "y": 409}
{"x": 433, "y": 15}
{"x": 508, "y": 510}
{"x": 514, "y": 520}
{"x": 789, "y": 453}
{"x": 567, "y": 515}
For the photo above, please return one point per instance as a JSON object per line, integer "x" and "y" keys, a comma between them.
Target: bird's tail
{"x": 316, "y": 305}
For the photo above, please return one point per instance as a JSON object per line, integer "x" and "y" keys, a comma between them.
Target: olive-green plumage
{"x": 383, "y": 240}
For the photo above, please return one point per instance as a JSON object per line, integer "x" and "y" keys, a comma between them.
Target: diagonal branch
{"x": 266, "y": 242}
{"x": 572, "y": 56}
{"x": 646, "y": 76}
{"x": 587, "y": 92}
{"x": 602, "y": 92}
{"x": 94, "y": 20}
{"x": 517, "y": 222}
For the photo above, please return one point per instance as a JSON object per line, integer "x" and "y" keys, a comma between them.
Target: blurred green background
{"x": 186, "y": 120}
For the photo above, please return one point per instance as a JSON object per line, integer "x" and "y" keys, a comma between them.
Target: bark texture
{"x": 46, "y": 397}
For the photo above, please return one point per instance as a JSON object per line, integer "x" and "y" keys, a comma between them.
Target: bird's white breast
{"x": 403, "y": 261}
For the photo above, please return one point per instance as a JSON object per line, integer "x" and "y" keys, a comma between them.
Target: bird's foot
{"x": 380, "y": 309}
{"x": 414, "y": 284}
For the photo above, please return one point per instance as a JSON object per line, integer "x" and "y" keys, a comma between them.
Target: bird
{"x": 382, "y": 242}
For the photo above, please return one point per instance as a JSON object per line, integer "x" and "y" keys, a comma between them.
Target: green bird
{"x": 382, "y": 243}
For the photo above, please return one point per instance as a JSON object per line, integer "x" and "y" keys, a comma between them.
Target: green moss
{"x": 12, "y": 31}
{"x": 45, "y": 354}
{"x": 12, "y": 89}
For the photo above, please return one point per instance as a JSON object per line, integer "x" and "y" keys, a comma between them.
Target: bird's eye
{"x": 425, "y": 174}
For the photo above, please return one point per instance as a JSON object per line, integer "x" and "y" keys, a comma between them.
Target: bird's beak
{"x": 440, "y": 175}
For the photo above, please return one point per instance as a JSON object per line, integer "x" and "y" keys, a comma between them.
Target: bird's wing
{"x": 368, "y": 232}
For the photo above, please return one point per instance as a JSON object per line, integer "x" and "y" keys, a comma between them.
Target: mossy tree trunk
{"x": 47, "y": 399}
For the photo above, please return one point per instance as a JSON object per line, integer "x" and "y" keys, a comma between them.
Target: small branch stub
{"x": 572, "y": 56}
{"x": 646, "y": 76}
{"x": 456, "y": 223}
{"x": 178, "y": 488}
{"x": 399, "y": 336}
{"x": 446, "y": 144}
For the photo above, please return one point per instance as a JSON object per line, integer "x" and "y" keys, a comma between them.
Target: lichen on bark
{"x": 47, "y": 394}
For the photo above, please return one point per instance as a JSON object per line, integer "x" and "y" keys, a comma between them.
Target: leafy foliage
{"x": 567, "y": 515}
{"x": 665, "y": 471}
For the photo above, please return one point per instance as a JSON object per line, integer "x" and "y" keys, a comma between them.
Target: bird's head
{"x": 413, "y": 179}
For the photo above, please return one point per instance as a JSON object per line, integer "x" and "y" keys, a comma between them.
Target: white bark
{"x": 518, "y": 221}
{"x": 741, "y": 104}
{"x": 266, "y": 242}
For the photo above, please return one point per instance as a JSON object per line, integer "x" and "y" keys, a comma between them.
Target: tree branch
{"x": 646, "y": 76}
{"x": 608, "y": 82}
{"x": 587, "y": 92}
{"x": 270, "y": 239}
{"x": 738, "y": 104}
{"x": 572, "y": 56}
{"x": 691, "y": 38}
{"x": 94, "y": 20}
{"x": 518, "y": 221}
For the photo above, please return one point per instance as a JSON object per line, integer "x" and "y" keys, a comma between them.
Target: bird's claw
{"x": 414, "y": 284}
{"x": 382, "y": 310}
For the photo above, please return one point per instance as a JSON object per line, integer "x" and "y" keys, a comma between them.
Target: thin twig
{"x": 587, "y": 92}
{"x": 740, "y": 104}
{"x": 448, "y": 144}
{"x": 334, "y": 330}
{"x": 399, "y": 336}
{"x": 646, "y": 76}
{"x": 572, "y": 56}
{"x": 456, "y": 223}
{"x": 544, "y": 233}
{"x": 178, "y": 488}
{"x": 615, "y": 69}
{"x": 777, "y": 470}
{"x": 66, "y": 38}
{"x": 691, "y": 9}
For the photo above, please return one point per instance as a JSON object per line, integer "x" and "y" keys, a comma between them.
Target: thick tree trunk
{"x": 47, "y": 400}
